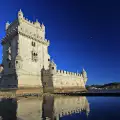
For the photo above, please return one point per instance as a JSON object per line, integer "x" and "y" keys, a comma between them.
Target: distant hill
{"x": 115, "y": 85}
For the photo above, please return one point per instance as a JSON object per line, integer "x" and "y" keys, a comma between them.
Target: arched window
{"x": 33, "y": 44}
{"x": 34, "y": 56}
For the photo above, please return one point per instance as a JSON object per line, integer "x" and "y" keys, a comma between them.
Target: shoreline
{"x": 91, "y": 94}
{"x": 38, "y": 95}
{"x": 30, "y": 93}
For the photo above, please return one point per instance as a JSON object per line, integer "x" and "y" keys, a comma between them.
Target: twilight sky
{"x": 83, "y": 33}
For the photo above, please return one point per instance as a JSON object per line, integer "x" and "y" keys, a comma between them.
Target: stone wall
{"x": 27, "y": 80}
{"x": 64, "y": 81}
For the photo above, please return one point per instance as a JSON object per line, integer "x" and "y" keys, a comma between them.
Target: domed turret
{"x": 20, "y": 14}
{"x": 52, "y": 67}
{"x": 37, "y": 24}
{"x": 7, "y": 25}
{"x": 43, "y": 27}
{"x": 84, "y": 74}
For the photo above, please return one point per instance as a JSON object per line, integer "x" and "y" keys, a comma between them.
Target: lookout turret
{"x": 84, "y": 74}
{"x": 7, "y": 25}
{"x": 37, "y": 24}
{"x": 52, "y": 67}
{"x": 20, "y": 14}
{"x": 43, "y": 27}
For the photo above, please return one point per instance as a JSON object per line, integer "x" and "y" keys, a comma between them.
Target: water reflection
{"x": 8, "y": 109}
{"x": 43, "y": 108}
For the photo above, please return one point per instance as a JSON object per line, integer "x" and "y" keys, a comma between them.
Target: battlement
{"x": 63, "y": 72}
{"x": 35, "y": 24}
{"x": 32, "y": 35}
{"x": 22, "y": 25}
{"x": 22, "y": 19}
{"x": 17, "y": 30}
{"x": 13, "y": 29}
{"x": 68, "y": 73}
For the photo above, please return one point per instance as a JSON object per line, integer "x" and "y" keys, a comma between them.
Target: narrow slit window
{"x": 9, "y": 65}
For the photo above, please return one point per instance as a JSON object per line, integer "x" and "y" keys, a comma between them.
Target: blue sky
{"x": 82, "y": 33}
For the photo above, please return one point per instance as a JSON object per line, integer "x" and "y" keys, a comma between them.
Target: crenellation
{"x": 26, "y": 19}
{"x": 58, "y": 71}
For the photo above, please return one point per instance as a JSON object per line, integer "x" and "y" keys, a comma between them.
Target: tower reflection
{"x": 46, "y": 107}
{"x": 8, "y": 109}
{"x": 59, "y": 106}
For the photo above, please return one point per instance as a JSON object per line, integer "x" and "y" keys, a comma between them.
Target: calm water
{"x": 61, "y": 108}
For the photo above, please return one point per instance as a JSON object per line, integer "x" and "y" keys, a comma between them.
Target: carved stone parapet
{"x": 34, "y": 38}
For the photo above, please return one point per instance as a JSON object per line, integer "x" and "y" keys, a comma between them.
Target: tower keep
{"x": 25, "y": 52}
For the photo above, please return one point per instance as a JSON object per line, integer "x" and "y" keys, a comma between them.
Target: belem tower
{"x": 26, "y": 62}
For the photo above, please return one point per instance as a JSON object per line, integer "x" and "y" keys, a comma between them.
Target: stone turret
{"x": 43, "y": 27}
{"x": 52, "y": 67}
{"x": 84, "y": 74}
{"x": 20, "y": 14}
{"x": 37, "y": 24}
{"x": 7, "y": 25}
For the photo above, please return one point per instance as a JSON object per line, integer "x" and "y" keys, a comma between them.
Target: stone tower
{"x": 25, "y": 52}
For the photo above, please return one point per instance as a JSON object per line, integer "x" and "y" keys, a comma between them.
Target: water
{"x": 61, "y": 108}
{"x": 104, "y": 91}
